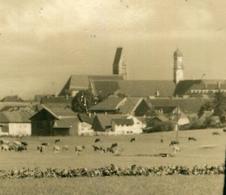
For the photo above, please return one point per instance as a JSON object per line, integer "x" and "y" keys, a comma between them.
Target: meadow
{"x": 208, "y": 149}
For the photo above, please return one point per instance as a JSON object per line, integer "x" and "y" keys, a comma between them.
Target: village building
{"x": 122, "y": 105}
{"x": 116, "y": 124}
{"x": 54, "y": 119}
{"x": 15, "y": 123}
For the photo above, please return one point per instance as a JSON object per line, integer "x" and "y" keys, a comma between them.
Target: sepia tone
{"x": 112, "y": 97}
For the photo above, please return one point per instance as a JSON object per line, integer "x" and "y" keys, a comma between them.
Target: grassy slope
{"x": 192, "y": 152}
{"x": 168, "y": 185}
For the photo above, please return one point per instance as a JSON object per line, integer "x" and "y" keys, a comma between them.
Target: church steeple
{"x": 178, "y": 72}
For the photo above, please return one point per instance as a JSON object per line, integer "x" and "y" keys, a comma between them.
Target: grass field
{"x": 168, "y": 185}
{"x": 140, "y": 152}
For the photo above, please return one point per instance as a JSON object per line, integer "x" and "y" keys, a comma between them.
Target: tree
{"x": 83, "y": 100}
{"x": 219, "y": 103}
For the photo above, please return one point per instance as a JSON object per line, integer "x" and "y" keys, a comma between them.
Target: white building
{"x": 15, "y": 123}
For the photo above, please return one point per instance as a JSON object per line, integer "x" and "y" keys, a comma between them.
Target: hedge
{"x": 111, "y": 170}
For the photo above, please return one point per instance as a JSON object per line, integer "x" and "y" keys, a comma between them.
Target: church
{"x": 117, "y": 83}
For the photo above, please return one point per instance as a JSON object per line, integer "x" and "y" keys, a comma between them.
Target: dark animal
{"x": 192, "y": 139}
{"x": 95, "y": 148}
{"x": 114, "y": 145}
{"x": 224, "y": 130}
{"x": 44, "y": 144}
{"x": 132, "y": 139}
{"x": 24, "y": 143}
{"x": 97, "y": 140}
{"x": 173, "y": 142}
{"x": 161, "y": 141}
{"x": 57, "y": 140}
{"x": 215, "y": 133}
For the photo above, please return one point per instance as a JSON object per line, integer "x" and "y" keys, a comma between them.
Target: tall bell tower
{"x": 178, "y": 72}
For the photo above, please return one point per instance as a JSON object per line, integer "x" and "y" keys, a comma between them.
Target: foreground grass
{"x": 165, "y": 185}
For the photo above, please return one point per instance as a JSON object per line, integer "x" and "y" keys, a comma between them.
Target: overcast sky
{"x": 43, "y": 42}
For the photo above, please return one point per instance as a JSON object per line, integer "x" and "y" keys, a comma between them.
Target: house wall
{"x": 85, "y": 129}
{"x": 136, "y": 128}
{"x": 20, "y": 129}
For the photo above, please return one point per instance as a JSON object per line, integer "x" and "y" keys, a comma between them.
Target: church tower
{"x": 178, "y": 72}
{"x": 119, "y": 65}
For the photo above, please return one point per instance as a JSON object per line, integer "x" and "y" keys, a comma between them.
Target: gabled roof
{"x": 110, "y": 104}
{"x": 58, "y": 111}
{"x": 15, "y": 117}
{"x": 130, "y": 105}
{"x": 134, "y": 88}
{"x": 82, "y": 82}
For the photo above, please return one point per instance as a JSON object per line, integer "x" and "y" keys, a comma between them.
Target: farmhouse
{"x": 15, "y": 123}
{"x": 116, "y": 124}
{"x": 54, "y": 119}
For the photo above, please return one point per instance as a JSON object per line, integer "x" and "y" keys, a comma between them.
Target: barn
{"x": 54, "y": 119}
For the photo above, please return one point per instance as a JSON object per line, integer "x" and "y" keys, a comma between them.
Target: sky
{"x": 43, "y": 42}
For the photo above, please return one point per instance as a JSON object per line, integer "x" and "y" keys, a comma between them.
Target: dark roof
{"x": 123, "y": 121}
{"x": 109, "y": 104}
{"x": 86, "y": 118}
{"x": 56, "y": 99}
{"x": 65, "y": 123}
{"x": 105, "y": 120}
{"x": 82, "y": 82}
{"x": 184, "y": 86}
{"x": 134, "y": 88}
{"x": 187, "y": 105}
{"x": 130, "y": 105}
{"x": 15, "y": 117}
{"x": 13, "y": 98}
{"x": 58, "y": 110}
{"x": 161, "y": 117}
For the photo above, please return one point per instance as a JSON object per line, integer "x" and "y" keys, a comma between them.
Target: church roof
{"x": 134, "y": 88}
{"x": 82, "y": 82}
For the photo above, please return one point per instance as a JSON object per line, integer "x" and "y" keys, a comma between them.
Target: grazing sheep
{"x": 41, "y": 148}
{"x": 56, "y": 141}
{"x": 133, "y": 139}
{"x": 65, "y": 148}
{"x": 56, "y": 148}
{"x": 79, "y": 149}
{"x": 5, "y": 147}
{"x": 192, "y": 139}
{"x": 175, "y": 148}
{"x": 215, "y": 133}
{"x": 97, "y": 140}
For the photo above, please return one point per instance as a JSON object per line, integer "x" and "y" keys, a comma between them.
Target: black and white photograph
{"x": 112, "y": 97}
